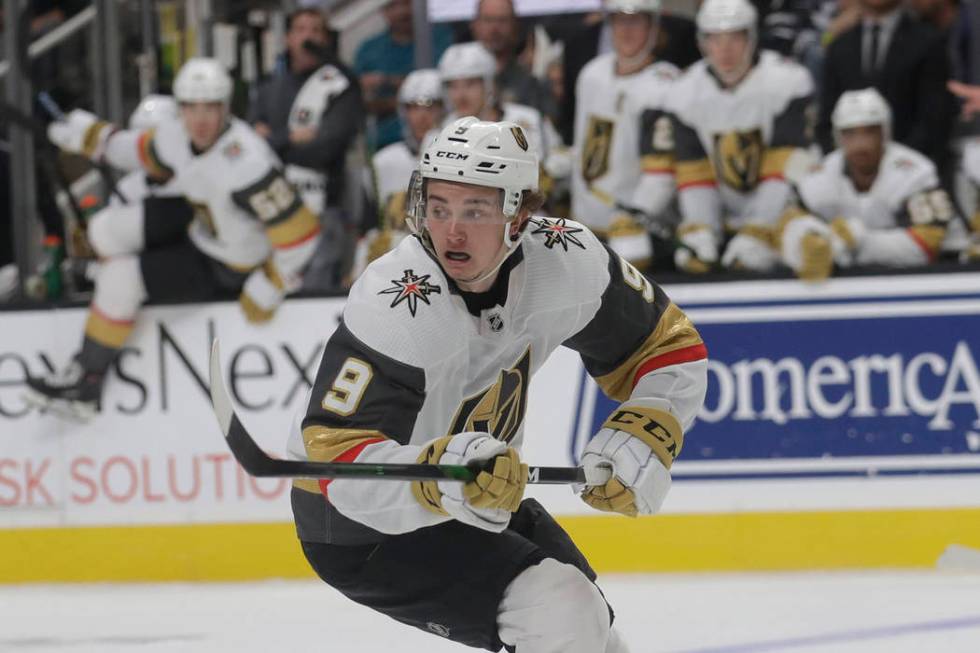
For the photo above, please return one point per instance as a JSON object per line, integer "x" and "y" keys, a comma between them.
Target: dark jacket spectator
{"x": 910, "y": 71}
{"x": 321, "y": 142}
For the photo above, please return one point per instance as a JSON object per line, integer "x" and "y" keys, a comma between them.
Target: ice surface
{"x": 897, "y": 612}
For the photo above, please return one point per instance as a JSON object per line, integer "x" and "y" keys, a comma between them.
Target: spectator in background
{"x": 905, "y": 59}
{"x": 310, "y": 113}
{"x": 941, "y": 14}
{"x": 496, "y": 26}
{"x": 383, "y": 61}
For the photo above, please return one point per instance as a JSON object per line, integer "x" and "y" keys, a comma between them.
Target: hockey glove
{"x": 82, "y": 133}
{"x": 486, "y": 502}
{"x": 751, "y": 249}
{"x": 261, "y": 295}
{"x": 697, "y": 249}
{"x": 639, "y": 443}
{"x": 630, "y": 239}
{"x": 810, "y": 247}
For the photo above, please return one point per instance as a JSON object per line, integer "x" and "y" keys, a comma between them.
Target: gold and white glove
{"x": 488, "y": 501}
{"x": 697, "y": 250}
{"x": 810, "y": 248}
{"x": 638, "y": 442}
{"x": 261, "y": 295}
{"x": 751, "y": 249}
{"x": 82, "y": 133}
{"x": 630, "y": 239}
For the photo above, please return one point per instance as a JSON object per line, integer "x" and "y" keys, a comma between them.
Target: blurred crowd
{"x": 791, "y": 137}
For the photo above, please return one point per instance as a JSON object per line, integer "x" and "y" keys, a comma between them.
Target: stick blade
{"x": 220, "y": 400}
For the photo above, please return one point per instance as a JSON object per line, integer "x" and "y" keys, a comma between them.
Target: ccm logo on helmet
{"x": 455, "y": 156}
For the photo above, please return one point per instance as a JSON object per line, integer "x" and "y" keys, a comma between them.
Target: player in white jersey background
{"x": 623, "y": 173}
{"x": 872, "y": 201}
{"x": 421, "y": 109}
{"x": 432, "y": 362}
{"x": 740, "y": 126}
{"x": 469, "y": 74}
{"x": 236, "y": 224}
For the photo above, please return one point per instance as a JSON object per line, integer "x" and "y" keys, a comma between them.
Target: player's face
{"x": 422, "y": 118}
{"x": 863, "y": 147}
{"x": 728, "y": 53}
{"x": 204, "y": 122}
{"x": 466, "y": 225}
{"x": 468, "y": 96}
{"x": 630, "y": 34}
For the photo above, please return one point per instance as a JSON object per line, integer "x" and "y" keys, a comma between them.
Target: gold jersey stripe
{"x": 975, "y": 223}
{"x": 694, "y": 173}
{"x": 929, "y": 237}
{"x": 674, "y": 331}
{"x": 154, "y": 167}
{"x": 107, "y": 331}
{"x": 658, "y": 163}
{"x": 774, "y": 161}
{"x": 92, "y": 137}
{"x": 325, "y": 444}
{"x": 297, "y": 228}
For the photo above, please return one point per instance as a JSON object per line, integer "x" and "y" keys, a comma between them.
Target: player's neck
{"x": 631, "y": 65}
{"x": 864, "y": 179}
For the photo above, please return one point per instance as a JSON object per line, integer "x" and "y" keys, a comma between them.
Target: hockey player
{"x": 432, "y": 362}
{"x": 150, "y": 113}
{"x": 623, "y": 172}
{"x": 237, "y": 225}
{"x": 468, "y": 71}
{"x": 872, "y": 202}
{"x": 420, "y": 108}
{"x": 740, "y": 124}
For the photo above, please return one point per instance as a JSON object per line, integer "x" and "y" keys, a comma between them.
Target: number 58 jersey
{"x": 415, "y": 358}
{"x": 244, "y": 209}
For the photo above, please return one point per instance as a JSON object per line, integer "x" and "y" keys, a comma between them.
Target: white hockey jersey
{"x": 733, "y": 146}
{"x": 391, "y": 170}
{"x": 904, "y": 215}
{"x": 415, "y": 359}
{"x": 623, "y": 156}
{"x": 246, "y": 213}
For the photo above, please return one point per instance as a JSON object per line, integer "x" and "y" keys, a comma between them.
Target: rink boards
{"x": 841, "y": 429}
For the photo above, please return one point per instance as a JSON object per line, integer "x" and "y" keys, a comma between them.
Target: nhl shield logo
{"x": 519, "y": 137}
{"x": 495, "y": 321}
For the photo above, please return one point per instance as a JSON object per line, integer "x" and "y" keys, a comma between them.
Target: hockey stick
{"x": 258, "y": 463}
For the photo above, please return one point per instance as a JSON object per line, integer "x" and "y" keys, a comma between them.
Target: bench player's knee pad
{"x": 116, "y": 230}
{"x": 553, "y": 607}
{"x": 119, "y": 288}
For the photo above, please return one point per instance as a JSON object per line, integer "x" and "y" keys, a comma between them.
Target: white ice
{"x": 870, "y": 612}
